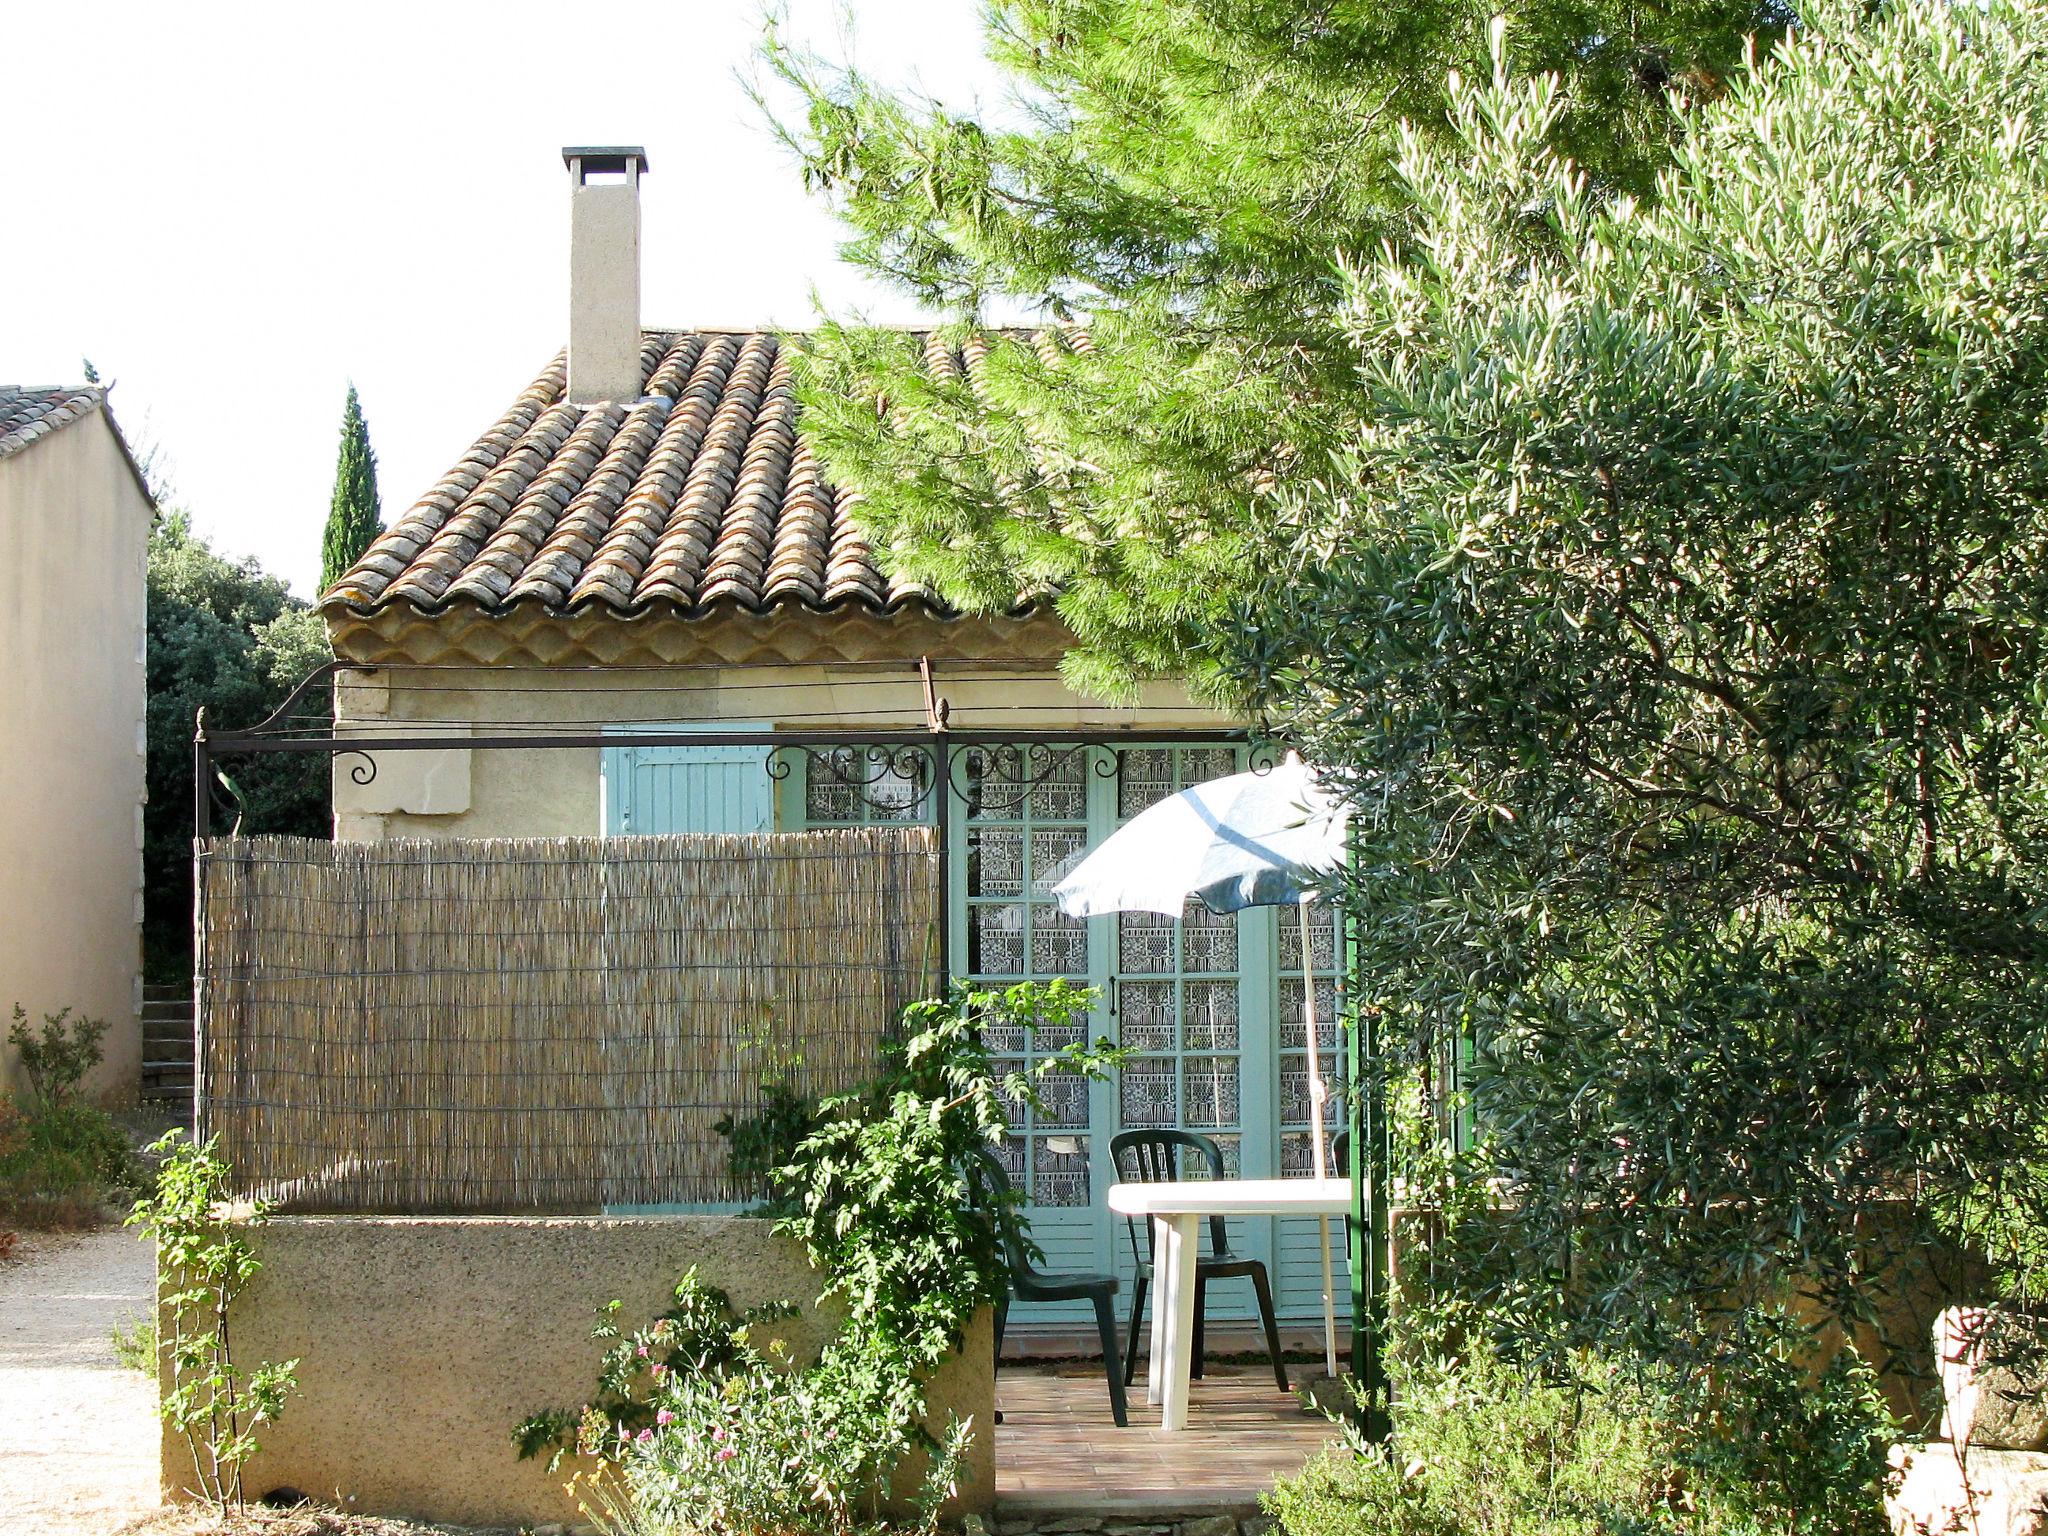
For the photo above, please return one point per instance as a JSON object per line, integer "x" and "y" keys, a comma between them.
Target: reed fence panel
{"x": 544, "y": 1024}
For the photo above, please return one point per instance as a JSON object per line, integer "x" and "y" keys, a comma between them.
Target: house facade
{"x": 74, "y": 549}
{"x": 644, "y": 542}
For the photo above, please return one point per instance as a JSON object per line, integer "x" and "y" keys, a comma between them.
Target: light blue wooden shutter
{"x": 650, "y": 790}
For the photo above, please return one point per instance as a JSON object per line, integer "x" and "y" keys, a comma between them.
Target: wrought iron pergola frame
{"x": 930, "y": 758}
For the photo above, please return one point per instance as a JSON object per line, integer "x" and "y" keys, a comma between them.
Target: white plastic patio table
{"x": 1177, "y": 1209}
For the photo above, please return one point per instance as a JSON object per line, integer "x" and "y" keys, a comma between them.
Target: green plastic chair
{"x": 1030, "y": 1283}
{"x": 1153, "y": 1156}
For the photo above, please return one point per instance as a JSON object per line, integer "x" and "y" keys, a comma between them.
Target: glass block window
{"x": 1177, "y": 983}
{"x": 1026, "y": 827}
{"x": 865, "y": 786}
{"x": 1297, "y": 1148}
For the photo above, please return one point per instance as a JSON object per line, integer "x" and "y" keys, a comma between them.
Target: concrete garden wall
{"x": 423, "y": 1340}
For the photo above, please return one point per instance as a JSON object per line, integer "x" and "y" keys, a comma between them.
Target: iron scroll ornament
{"x": 998, "y": 780}
{"x": 364, "y": 772}
{"x": 894, "y": 780}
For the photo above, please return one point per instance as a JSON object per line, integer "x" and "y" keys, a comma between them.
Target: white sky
{"x": 233, "y": 210}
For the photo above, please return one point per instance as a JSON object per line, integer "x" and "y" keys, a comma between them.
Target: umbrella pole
{"x": 1316, "y": 1091}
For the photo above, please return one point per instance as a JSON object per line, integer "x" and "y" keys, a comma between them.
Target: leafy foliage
{"x": 56, "y": 1058}
{"x": 887, "y": 1195}
{"x": 61, "y": 1162}
{"x": 1187, "y": 177}
{"x": 234, "y": 641}
{"x": 63, "y": 1167}
{"x": 1674, "y": 619}
{"x": 354, "y": 516}
{"x": 134, "y": 1344}
{"x": 698, "y": 1335}
{"x": 203, "y": 1260}
{"x": 1590, "y": 1449}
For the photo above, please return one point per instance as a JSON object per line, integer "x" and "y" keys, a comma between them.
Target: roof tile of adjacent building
{"x": 28, "y": 414}
{"x": 700, "y": 494}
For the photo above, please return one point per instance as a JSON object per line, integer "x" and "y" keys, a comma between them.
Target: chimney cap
{"x": 605, "y": 158}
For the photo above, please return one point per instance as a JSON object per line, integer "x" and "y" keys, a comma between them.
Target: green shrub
{"x": 62, "y": 1163}
{"x": 1483, "y": 1447}
{"x": 56, "y": 1057}
{"x": 134, "y": 1343}
{"x": 65, "y": 1167}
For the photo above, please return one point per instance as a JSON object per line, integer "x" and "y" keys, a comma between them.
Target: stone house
{"x": 644, "y": 540}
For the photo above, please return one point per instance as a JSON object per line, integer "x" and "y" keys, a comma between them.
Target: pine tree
{"x": 1191, "y": 182}
{"x": 353, "y": 518}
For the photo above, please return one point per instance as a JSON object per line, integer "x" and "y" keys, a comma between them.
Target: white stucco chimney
{"x": 604, "y": 270}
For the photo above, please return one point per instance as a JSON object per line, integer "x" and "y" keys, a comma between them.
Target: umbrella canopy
{"x": 1255, "y": 839}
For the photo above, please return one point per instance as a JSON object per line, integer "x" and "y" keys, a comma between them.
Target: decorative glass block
{"x": 1209, "y": 1091}
{"x": 1005, "y": 1039}
{"x": 1193, "y": 1165}
{"x": 1145, "y": 942}
{"x": 1063, "y": 1100}
{"x": 1147, "y": 1093}
{"x": 1011, "y": 1154}
{"x": 1145, "y": 1016}
{"x": 990, "y": 780}
{"x": 995, "y": 862}
{"x": 1059, "y": 944}
{"x": 897, "y": 792}
{"x": 1060, "y": 1178}
{"x": 1296, "y": 1161}
{"x": 1048, "y": 1038}
{"x": 1323, "y": 937}
{"x": 826, "y": 799}
{"x": 1294, "y": 1104}
{"x": 1209, "y": 1015}
{"x": 1208, "y": 942}
{"x": 1328, "y": 1029}
{"x": 1143, "y": 777}
{"x": 1198, "y": 765}
{"x": 996, "y": 940}
{"x": 1057, "y": 800}
{"x": 1054, "y": 853}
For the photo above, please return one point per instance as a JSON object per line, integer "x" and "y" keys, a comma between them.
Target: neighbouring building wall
{"x": 74, "y": 543}
{"x": 422, "y": 1341}
{"x": 504, "y": 792}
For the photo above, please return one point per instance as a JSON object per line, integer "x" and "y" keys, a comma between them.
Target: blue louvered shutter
{"x": 649, "y": 790}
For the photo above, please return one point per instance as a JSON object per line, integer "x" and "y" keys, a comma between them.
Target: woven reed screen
{"x": 540, "y": 1024}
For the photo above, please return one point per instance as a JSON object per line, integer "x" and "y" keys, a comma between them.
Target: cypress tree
{"x": 353, "y": 518}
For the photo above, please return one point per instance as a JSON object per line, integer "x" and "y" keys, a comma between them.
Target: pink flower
{"x": 641, "y": 1350}
{"x": 644, "y": 1436}
{"x": 660, "y": 1370}
{"x": 664, "y": 1417}
{"x": 727, "y": 1453}
{"x": 718, "y": 1435}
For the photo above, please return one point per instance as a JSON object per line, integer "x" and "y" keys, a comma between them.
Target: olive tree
{"x": 1675, "y": 616}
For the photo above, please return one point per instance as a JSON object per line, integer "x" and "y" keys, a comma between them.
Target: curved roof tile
{"x": 702, "y": 491}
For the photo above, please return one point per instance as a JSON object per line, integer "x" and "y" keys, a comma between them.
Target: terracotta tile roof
{"x": 700, "y": 494}
{"x": 27, "y": 415}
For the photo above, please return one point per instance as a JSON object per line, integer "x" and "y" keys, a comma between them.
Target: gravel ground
{"x": 78, "y": 1432}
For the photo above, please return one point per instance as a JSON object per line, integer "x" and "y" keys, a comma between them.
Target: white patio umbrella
{"x": 1254, "y": 839}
